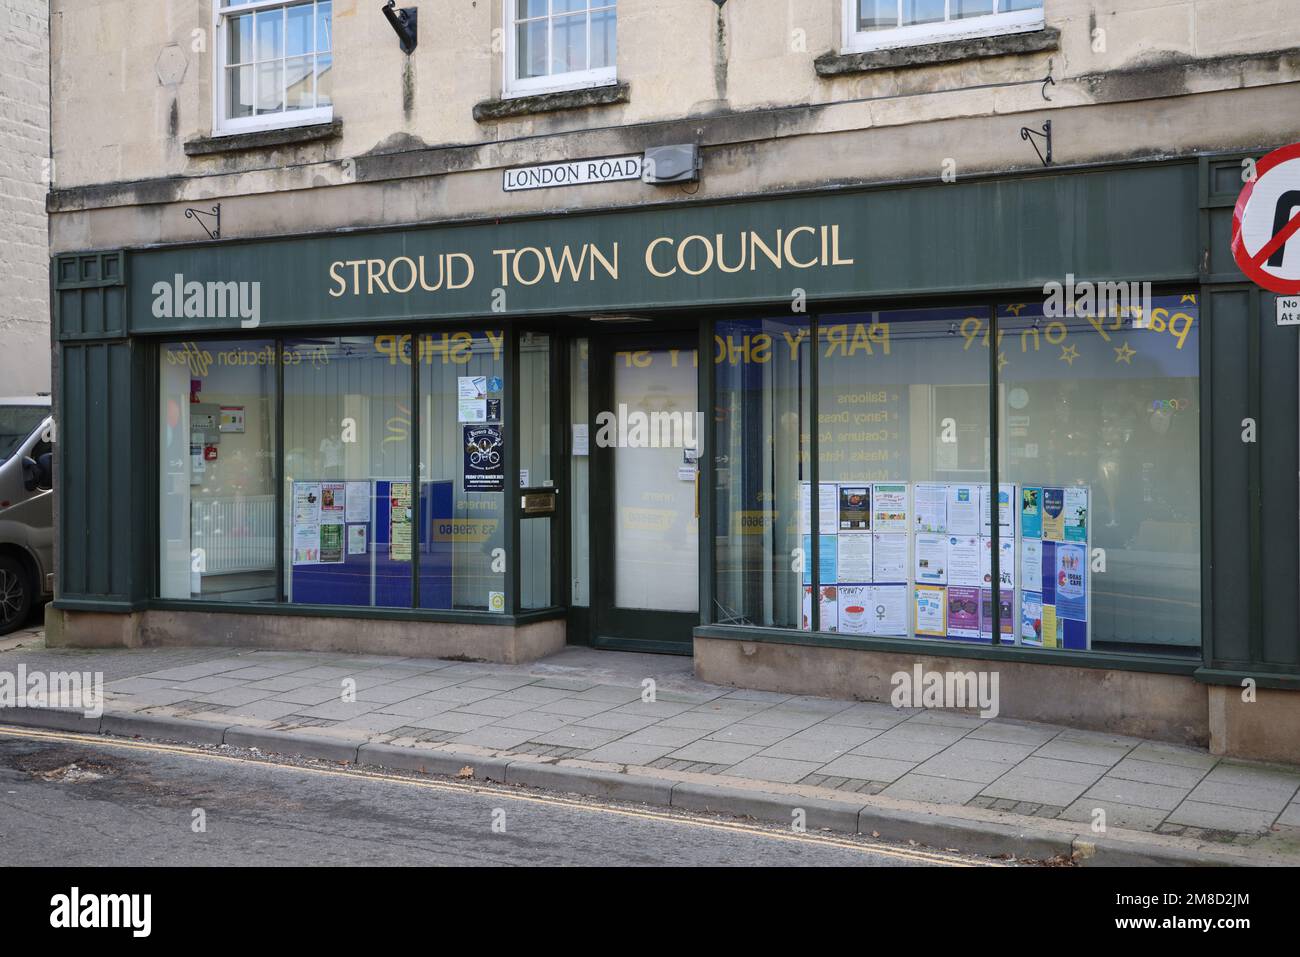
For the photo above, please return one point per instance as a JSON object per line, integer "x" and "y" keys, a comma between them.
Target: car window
{"x": 17, "y": 423}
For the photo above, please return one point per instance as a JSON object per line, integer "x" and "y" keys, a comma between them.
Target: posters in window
{"x": 931, "y": 610}
{"x": 930, "y": 503}
{"x": 1031, "y": 563}
{"x": 963, "y": 509}
{"x": 828, "y": 556}
{"x": 889, "y": 507}
{"x": 1031, "y": 512}
{"x": 331, "y": 544}
{"x": 828, "y": 504}
{"x": 1076, "y": 514}
{"x": 306, "y": 503}
{"x": 854, "y": 556}
{"x": 1054, "y": 514}
{"x": 400, "y": 521}
{"x": 829, "y": 608}
{"x": 306, "y": 543}
{"x": 963, "y": 611}
{"x": 357, "y": 502}
{"x": 931, "y": 559}
{"x": 964, "y": 560}
{"x": 889, "y": 557}
{"x": 1031, "y": 618}
{"x": 1071, "y": 582}
{"x": 855, "y": 507}
{"x": 1006, "y": 619}
{"x": 887, "y": 610}
{"x": 852, "y": 609}
{"x": 484, "y": 459}
{"x": 1006, "y": 562}
{"x": 332, "y": 496}
{"x": 356, "y": 539}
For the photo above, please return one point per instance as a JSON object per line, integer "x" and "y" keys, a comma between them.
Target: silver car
{"x": 26, "y": 508}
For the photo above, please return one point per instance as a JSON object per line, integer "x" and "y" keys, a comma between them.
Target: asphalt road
{"x": 68, "y": 800}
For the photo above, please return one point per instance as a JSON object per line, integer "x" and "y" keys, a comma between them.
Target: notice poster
{"x": 964, "y": 560}
{"x": 1006, "y": 562}
{"x": 963, "y": 611}
{"x": 827, "y": 569}
{"x": 471, "y": 398}
{"x": 357, "y": 502}
{"x": 1054, "y": 514}
{"x": 1006, "y": 615}
{"x": 484, "y": 457}
{"x": 1031, "y": 563}
{"x": 854, "y": 556}
{"x": 331, "y": 544}
{"x": 852, "y": 613}
{"x": 963, "y": 509}
{"x": 356, "y": 539}
{"x": 931, "y": 559}
{"x": 580, "y": 444}
{"x": 888, "y": 557}
{"x": 1031, "y": 618}
{"x": 828, "y": 508}
{"x": 887, "y": 611}
{"x": 829, "y": 609}
{"x": 230, "y": 418}
{"x": 306, "y": 544}
{"x": 1071, "y": 582}
{"x": 1005, "y": 494}
{"x": 400, "y": 521}
{"x": 855, "y": 508}
{"x": 306, "y": 503}
{"x": 1031, "y": 512}
{"x": 1051, "y": 634}
{"x": 930, "y": 504}
{"x": 889, "y": 507}
{"x": 1076, "y": 514}
{"x": 332, "y": 495}
{"x": 930, "y": 608}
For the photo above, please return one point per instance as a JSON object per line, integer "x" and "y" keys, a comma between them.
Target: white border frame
{"x": 221, "y": 126}
{"x": 987, "y": 25}
{"x": 512, "y": 88}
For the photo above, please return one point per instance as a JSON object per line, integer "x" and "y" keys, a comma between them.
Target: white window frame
{"x": 228, "y": 126}
{"x": 512, "y": 87}
{"x": 984, "y": 25}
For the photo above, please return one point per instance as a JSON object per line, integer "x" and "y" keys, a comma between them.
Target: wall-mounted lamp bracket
{"x": 404, "y": 23}
{"x": 1027, "y": 134}
{"x": 198, "y": 216}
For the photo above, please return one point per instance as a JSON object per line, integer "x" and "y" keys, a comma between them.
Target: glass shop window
{"x": 348, "y": 512}
{"x": 1100, "y": 426}
{"x": 217, "y": 470}
{"x": 761, "y": 423}
{"x": 903, "y": 536}
{"x": 535, "y": 469}
{"x": 462, "y": 468}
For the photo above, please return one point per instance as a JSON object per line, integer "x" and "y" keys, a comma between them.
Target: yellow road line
{"x": 504, "y": 791}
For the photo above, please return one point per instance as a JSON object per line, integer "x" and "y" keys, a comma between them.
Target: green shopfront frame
{"x": 901, "y": 246}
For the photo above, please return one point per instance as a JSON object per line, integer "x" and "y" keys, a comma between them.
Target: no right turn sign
{"x": 1266, "y": 223}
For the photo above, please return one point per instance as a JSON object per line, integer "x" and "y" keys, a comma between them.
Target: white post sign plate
{"x": 610, "y": 169}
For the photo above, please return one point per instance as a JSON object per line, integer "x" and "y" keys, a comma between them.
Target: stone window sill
{"x": 491, "y": 110}
{"x": 948, "y": 51}
{"x": 264, "y": 139}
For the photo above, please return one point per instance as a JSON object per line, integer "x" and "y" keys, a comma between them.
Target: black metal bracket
{"x": 404, "y": 23}
{"x": 198, "y": 214}
{"x": 1027, "y": 134}
{"x": 1047, "y": 81}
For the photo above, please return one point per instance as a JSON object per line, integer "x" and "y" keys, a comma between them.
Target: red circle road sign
{"x": 1266, "y": 221}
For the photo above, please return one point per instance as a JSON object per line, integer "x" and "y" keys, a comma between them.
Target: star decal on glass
{"x": 1068, "y": 354}
{"x": 1124, "y": 354}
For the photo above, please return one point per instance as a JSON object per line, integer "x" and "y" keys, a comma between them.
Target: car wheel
{"x": 15, "y": 595}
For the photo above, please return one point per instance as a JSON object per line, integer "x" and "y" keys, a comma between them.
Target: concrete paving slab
{"x": 919, "y": 787}
{"x": 864, "y": 768}
{"x": 766, "y": 768}
{"x": 1136, "y": 793}
{"x": 1221, "y": 818}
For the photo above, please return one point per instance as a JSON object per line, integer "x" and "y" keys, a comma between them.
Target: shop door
{"x": 644, "y": 506}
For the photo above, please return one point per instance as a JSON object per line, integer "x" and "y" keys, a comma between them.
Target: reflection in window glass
{"x": 902, "y": 417}
{"x": 761, "y": 429}
{"x": 217, "y": 459}
{"x": 462, "y": 468}
{"x": 348, "y": 514}
{"x": 1103, "y": 414}
{"x": 535, "y": 467}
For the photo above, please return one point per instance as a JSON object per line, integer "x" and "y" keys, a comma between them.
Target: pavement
{"x": 585, "y": 721}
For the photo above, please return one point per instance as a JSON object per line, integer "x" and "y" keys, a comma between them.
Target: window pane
{"x": 270, "y": 34}
{"x": 959, "y": 9}
{"x": 535, "y": 468}
{"x": 877, "y": 14}
{"x": 348, "y": 509}
{"x": 239, "y": 39}
{"x": 239, "y": 91}
{"x": 527, "y": 9}
{"x": 761, "y": 430}
{"x": 1009, "y": 5}
{"x": 324, "y": 27}
{"x": 217, "y": 460}
{"x": 324, "y": 80}
{"x": 568, "y": 6}
{"x": 270, "y": 92}
{"x": 1102, "y": 414}
{"x": 462, "y": 469}
{"x": 922, "y": 11}
{"x": 299, "y": 73}
{"x": 531, "y": 53}
{"x": 903, "y": 452}
{"x": 569, "y": 44}
{"x": 603, "y": 51}
{"x": 298, "y": 30}
{"x": 579, "y": 475}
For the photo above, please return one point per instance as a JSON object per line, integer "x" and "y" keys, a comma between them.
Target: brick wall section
{"x": 24, "y": 147}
